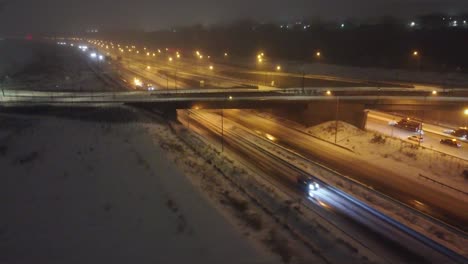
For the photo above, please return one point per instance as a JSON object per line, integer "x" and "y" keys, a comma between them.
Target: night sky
{"x": 56, "y": 15}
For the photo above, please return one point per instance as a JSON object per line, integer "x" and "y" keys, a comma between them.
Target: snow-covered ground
{"x": 41, "y": 66}
{"x": 419, "y": 79}
{"x": 14, "y": 57}
{"x": 100, "y": 186}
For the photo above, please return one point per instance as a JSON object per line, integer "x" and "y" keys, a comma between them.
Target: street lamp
{"x": 318, "y": 54}
{"x": 417, "y": 56}
{"x": 278, "y": 68}
{"x": 465, "y": 112}
{"x": 211, "y": 67}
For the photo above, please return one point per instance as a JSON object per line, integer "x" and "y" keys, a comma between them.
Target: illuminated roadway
{"x": 360, "y": 222}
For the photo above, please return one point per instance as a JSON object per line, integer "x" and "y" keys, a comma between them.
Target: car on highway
{"x": 415, "y": 138}
{"x": 392, "y": 123}
{"x": 451, "y": 142}
{"x": 150, "y": 87}
{"x": 307, "y": 183}
{"x": 448, "y": 131}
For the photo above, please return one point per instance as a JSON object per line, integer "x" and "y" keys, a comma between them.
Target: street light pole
{"x": 465, "y": 112}
{"x": 336, "y": 118}
{"x": 422, "y": 122}
{"x": 222, "y": 129}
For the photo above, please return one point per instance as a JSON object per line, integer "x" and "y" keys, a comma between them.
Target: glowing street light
{"x": 434, "y": 92}
{"x": 170, "y": 59}
{"x": 465, "y": 112}
{"x": 225, "y": 54}
{"x": 148, "y": 67}
{"x": 211, "y": 67}
{"x": 178, "y": 56}
{"x": 278, "y": 68}
{"x": 137, "y": 82}
{"x": 328, "y": 92}
{"x": 318, "y": 54}
{"x": 415, "y": 53}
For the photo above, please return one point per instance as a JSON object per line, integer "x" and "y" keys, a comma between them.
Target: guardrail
{"x": 442, "y": 184}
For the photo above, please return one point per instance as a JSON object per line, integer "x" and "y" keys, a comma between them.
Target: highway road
{"x": 385, "y": 180}
{"x": 360, "y": 222}
{"x": 378, "y": 121}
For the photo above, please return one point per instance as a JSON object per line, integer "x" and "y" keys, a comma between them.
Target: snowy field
{"x": 420, "y": 79}
{"x": 14, "y": 56}
{"x": 40, "y": 66}
{"x": 102, "y": 187}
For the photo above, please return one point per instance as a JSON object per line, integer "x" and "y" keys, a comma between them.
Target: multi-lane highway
{"x": 383, "y": 236}
{"x": 384, "y": 179}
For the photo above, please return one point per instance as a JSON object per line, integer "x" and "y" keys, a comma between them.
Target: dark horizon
{"x": 28, "y": 16}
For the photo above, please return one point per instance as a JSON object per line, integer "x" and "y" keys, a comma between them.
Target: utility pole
{"x": 422, "y": 121}
{"x": 336, "y": 118}
{"x": 303, "y": 79}
{"x": 222, "y": 129}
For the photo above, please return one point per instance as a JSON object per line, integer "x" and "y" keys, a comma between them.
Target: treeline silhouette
{"x": 388, "y": 43}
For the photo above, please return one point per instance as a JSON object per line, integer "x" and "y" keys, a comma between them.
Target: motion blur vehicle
{"x": 418, "y": 139}
{"x": 392, "y": 123}
{"x": 448, "y": 131}
{"x": 461, "y": 132}
{"x": 140, "y": 85}
{"x": 307, "y": 183}
{"x": 150, "y": 87}
{"x": 451, "y": 142}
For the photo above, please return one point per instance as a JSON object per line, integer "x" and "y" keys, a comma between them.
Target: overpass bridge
{"x": 222, "y": 98}
{"x": 306, "y": 106}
